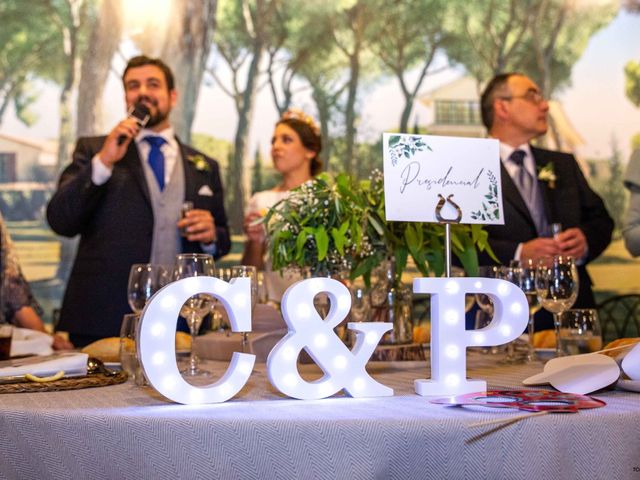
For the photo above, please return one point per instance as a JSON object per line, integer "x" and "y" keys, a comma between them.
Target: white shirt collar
{"x": 168, "y": 134}
{"x": 529, "y": 162}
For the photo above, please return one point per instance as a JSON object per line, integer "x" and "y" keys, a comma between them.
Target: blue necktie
{"x": 156, "y": 158}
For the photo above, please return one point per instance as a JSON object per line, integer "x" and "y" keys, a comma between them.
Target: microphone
{"x": 141, "y": 114}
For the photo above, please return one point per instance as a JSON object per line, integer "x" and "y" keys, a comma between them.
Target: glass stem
{"x": 556, "y": 325}
{"x": 193, "y": 359}
{"x": 530, "y": 331}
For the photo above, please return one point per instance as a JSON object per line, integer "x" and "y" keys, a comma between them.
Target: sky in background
{"x": 595, "y": 102}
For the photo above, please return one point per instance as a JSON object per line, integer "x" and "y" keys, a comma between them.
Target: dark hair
{"x": 309, "y": 138}
{"x": 142, "y": 60}
{"x": 489, "y": 95}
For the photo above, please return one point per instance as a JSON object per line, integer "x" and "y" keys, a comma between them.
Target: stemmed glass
{"x": 145, "y": 279}
{"x": 557, "y": 287}
{"x": 197, "y": 306}
{"x": 251, "y": 272}
{"x": 527, "y": 283}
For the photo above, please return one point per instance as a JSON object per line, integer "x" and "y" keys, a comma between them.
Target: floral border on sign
{"x": 405, "y": 148}
{"x": 491, "y": 208}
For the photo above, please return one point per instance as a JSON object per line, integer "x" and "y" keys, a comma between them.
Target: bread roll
{"x": 105, "y": 349}
{"x": 108, "y": 349}
{"x": 619, "y": 343}
{"x": 422, "y": 333}
{"x": 544, "y": 339}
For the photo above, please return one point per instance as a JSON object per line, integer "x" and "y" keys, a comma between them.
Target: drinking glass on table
{"x": 527, "y": 283}
{"x": 129, "y": 348}
{"x": 580, "y": 331}
{"x": 197, "y": 306}
{"x": 557, "y": 287}
{"x": 250, "y": 272}
{"x": 145, "y": 279}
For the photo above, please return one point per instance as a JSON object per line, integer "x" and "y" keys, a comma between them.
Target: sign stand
{"x": 447, "y": 228}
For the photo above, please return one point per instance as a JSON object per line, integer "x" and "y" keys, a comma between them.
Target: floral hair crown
{"x": 299, "y": 115}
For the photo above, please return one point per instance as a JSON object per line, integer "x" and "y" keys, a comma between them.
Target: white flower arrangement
{"x": 547, "y": 174}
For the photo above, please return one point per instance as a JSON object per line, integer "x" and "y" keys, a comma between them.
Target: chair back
{"x": 620, "y": 317}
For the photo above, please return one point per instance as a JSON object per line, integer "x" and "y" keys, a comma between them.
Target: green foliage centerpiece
{"x": 336, "y": 226}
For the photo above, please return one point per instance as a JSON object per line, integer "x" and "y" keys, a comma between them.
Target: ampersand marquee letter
{"x": 449, "y": 339}
{"x": 343, "y": 369}
{"x": 157, "y": 346}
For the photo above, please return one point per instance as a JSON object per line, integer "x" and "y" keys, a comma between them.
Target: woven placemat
{"x": 74, "y": 383}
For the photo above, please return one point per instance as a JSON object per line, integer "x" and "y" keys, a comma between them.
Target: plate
{"x": 113, "y": 365}
{"x": 630, "y": 385}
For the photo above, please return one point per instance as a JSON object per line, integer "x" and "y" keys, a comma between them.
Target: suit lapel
{"x": 134, "y": 163}
{"x": 190, "y": 173}
{"x": 511, "y": 194}
{"x": 542, "y": 159}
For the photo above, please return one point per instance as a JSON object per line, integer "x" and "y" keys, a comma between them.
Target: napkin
{"x": 30, "y": 342}
{"x": 73, "y": 364}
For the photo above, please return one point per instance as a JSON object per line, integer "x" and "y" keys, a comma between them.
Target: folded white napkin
{"x": 73, "y": 364}
{"x": 30, "y": 342}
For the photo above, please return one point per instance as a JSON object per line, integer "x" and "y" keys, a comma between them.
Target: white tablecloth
{"x": 125, "y": 431}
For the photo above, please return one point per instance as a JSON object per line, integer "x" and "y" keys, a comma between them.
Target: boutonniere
{"x": 199, "y": 162}
{"x": 548, "y": 174}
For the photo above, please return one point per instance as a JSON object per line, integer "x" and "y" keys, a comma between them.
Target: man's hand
{"x": 199, "y": 225}
{"x": 572, "y": 242}
{"x": 538, "y": 248}
{"x": 111, "y": 152}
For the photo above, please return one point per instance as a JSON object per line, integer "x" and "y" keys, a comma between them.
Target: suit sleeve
{"x": 223, "y": 241}
{"x": 76, "y": 198}
{"x": 595, "y": 221}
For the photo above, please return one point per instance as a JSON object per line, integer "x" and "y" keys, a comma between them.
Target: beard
{"x": 156, "y": 116}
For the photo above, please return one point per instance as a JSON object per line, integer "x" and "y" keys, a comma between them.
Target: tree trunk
{"x": 237, "y": 186}
{"x": 106, "y": 33}
{"x": 186, "y": 50}
{"x": 350, "y": 111}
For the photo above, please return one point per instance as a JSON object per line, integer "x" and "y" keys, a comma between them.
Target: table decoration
{"x": 336, "y": 226}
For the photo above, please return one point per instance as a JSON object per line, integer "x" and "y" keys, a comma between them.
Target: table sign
{"x": 449, "y": 339}
{"x": 344, "y": 369}
{"x": 418, "y": 169}
{"x": 156, "y": 339}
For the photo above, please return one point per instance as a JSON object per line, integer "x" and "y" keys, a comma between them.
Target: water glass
{"x": 247, "y": 271}
{"x": 6, "y": 333}
{"x": 580, "y": 332}
{"x": 129, "y": 350}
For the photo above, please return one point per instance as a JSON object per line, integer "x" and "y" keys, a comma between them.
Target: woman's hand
{"x": 253, "y": 228}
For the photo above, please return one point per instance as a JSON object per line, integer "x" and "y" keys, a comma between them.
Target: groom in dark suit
{"x": 123, "y": 195}
{"x": 540, "y": 188}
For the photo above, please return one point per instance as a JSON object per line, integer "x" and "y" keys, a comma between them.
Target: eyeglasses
{"x": 532, "y": 96}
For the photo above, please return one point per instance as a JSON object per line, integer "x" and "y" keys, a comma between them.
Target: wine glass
{"x": 527, "y": 283}
{"x": 197, "y": 306}
{"x": 557, "y": 287}
{"x": 251, "y": 272}
{"x": 145, "y": 279}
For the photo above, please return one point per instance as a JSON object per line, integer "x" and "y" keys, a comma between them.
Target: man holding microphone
{"x": 123, "y": 195}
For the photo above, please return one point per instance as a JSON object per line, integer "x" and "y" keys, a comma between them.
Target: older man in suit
{"x": 123, "y": 195}
{"x": 540, "y": 187}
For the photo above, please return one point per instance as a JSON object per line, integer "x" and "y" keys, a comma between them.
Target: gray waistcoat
{"x": 166, "y": 213}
